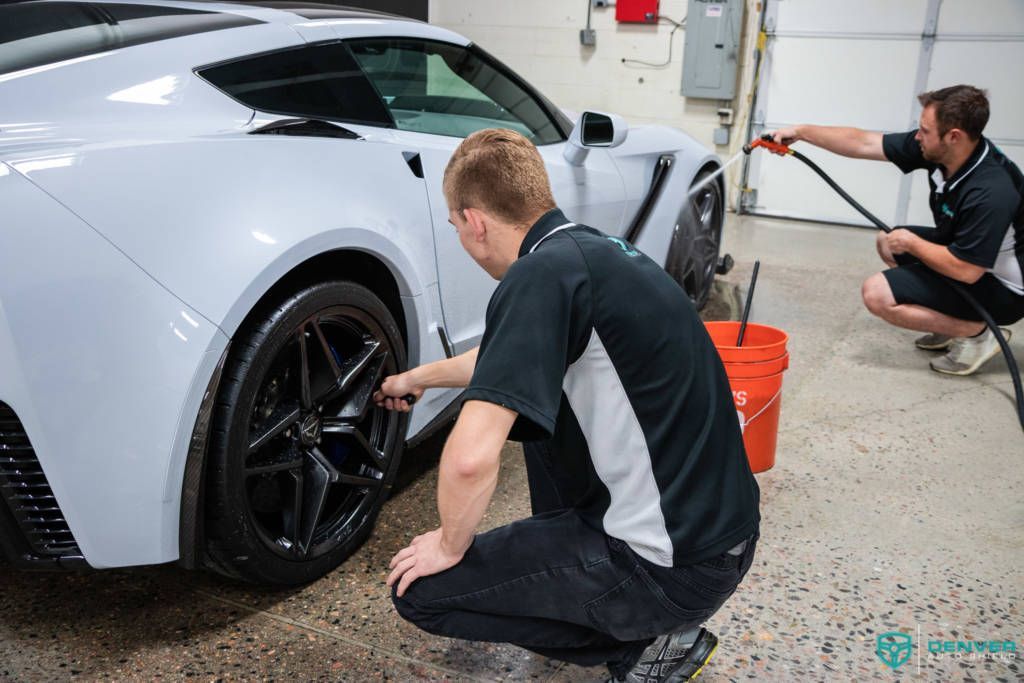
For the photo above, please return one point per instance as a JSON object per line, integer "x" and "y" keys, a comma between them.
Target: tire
{"x": 696, "y": 240}
{"x": 297, "y": 471}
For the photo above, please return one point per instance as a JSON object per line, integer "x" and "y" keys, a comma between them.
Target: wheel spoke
{"x": 306, "y": 395}
{"x": 332, "y": 472}
{"x": 704, "y": 209}
{"x": 360, "y": 399}
{"x": 282, "y": 419}
{"x": 351, "y": 369}
{"x": 293, "y": 517}
{"x": 336, "y": 425}
{"x": 362, "y": 482}
{"x": 332, "y": 359}
{"x": 318, "y": 475}
{"x": 275, "y": 466}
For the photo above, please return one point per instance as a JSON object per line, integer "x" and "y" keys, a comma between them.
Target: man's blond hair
{"x": 500, "y": 172}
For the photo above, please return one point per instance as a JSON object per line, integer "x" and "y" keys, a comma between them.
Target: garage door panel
{"x": 824, "y": 81}
{"x": 990, "y": 16}
{"x": 905, "y": 16}
{"x": 990, "y": 65}
{"x": 792, "y": 189}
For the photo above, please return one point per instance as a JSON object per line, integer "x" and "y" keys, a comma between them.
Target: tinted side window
{"x": 319, "y": 81}
{"x": 36, "y": 34}
{"x": 448, "y": 90}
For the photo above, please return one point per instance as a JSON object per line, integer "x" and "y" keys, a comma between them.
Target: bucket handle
{"x": 746, "y": 422}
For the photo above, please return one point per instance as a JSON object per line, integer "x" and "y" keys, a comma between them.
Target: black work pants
{"x": 555, "y": 585}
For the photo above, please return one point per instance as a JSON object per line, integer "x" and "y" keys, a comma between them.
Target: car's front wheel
{"x": 300, "y": 458}
{"x": 696, "y": 240}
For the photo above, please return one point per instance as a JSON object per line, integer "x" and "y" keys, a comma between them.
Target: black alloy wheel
{"x": 301, "y": 460}
{"x": 696, "y": 240}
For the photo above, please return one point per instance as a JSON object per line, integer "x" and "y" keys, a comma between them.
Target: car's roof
{"x": 299, "y": 15}
{"x": 319, "y": 10}
{"x": 217, "y": 30}
{"x": 277, "y": 11}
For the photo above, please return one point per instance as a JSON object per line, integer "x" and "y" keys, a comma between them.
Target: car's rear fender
{"x": 97, "y": 360}
{"x": 224, "y": 220}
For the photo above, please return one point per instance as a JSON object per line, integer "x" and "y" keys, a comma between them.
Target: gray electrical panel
{"x": 712, "y": 48}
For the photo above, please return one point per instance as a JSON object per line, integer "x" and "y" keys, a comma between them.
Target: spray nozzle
{"x": 768, "y": 142}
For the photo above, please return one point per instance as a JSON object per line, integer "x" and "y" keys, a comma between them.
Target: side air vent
{"x": 306, "y": 127}
{"x": 26, "y": 492}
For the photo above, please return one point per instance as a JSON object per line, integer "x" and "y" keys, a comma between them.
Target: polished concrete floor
{"x": 895, "y": 505}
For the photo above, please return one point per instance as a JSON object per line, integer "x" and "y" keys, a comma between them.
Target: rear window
{"x": 36, "y": 34}
{"x": 317, "y": 81}
{"x": 444, "y": 89}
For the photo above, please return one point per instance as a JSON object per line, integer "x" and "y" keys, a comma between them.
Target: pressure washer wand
{"x": 768, "y": 142}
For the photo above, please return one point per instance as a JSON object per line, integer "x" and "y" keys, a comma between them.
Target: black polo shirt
{"x": 600, "y": 351}
{"x": 979, "y": 211}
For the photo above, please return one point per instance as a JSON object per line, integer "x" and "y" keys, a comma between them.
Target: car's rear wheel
{"x": 696, "y": 240}
{"x": 300, "y": 459}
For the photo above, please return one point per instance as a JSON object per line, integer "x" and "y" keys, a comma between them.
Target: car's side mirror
{"x": 594, "y": 129}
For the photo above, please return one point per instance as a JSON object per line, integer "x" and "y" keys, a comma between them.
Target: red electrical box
{"x": 637, "y": 11}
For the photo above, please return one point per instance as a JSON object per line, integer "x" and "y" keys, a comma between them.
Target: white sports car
{"x": 220, "y": 225}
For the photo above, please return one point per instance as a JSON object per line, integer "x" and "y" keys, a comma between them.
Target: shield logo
{"x": 893, "y": 648}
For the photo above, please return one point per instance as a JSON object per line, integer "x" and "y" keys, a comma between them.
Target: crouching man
{"x": 645, "y": 510}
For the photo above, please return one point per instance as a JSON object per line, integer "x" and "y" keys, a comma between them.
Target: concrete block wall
{"x": 540, "y": 40}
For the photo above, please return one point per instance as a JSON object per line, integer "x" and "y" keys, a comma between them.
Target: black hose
{"x": 842, "y": 193}
{"x": 1011, "y": 362}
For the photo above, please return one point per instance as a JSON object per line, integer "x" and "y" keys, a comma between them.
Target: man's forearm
{"x": 462, "y": 500}
{"x": 450, "y": 372}
{"x": 940, "y": 259}
{"x": 849, "y": 142}
{"x": 469, "y": 471}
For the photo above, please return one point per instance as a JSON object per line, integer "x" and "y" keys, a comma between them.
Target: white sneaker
{"x": 933, "y": 342}
{"x": 967, "y": 354}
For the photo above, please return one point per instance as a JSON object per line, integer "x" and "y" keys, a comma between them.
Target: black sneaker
{"x": 666, "y": 660}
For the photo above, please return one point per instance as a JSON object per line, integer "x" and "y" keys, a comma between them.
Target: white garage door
{"x": 836, "y": 62}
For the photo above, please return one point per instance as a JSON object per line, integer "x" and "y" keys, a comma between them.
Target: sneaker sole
{"x": 971, "y": 369}
{"x": 708, "y": 659}
{"x": 699, "y": 670}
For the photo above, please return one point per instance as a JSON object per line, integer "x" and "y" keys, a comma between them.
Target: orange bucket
{"x": 755, "y": 376}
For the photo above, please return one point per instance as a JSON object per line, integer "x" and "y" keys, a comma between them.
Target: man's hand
{"x": 425, "y": 556}
{"x": 393, "y": 389}
{"x": 785, "y": 136}
{"x": 901, "y": 241}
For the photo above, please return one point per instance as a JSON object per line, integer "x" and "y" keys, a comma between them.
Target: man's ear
{"x": 955, "y": 135}
{"x": 478, "y": 222}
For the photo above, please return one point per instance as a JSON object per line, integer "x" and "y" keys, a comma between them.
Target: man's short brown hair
{"x": 501, "y": 172}
{"x": 958, "y": 106}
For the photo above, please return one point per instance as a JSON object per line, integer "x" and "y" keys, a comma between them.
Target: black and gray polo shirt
{"x": 600, "y": 351}
{"x": 979, "y": 211}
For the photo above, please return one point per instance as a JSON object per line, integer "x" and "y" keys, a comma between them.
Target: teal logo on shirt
{"x": 625, "y": 246}
{"x": 946, "y": 211}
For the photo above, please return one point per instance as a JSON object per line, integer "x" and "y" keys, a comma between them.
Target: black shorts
{"x": 915, "y": 283}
